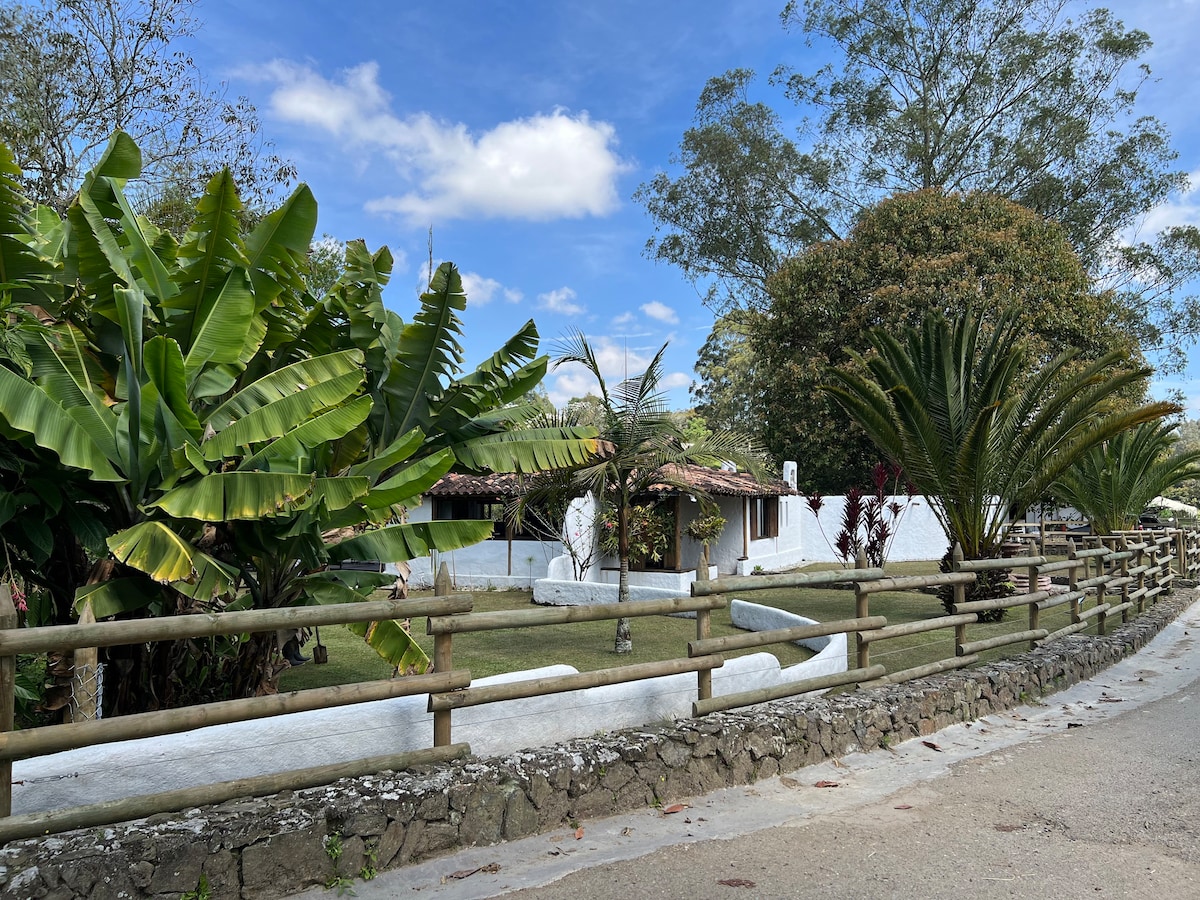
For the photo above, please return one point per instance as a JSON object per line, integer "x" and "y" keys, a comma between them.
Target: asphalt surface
{"x": 1094, "y": 793}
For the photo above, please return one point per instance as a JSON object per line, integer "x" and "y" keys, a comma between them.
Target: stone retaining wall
{"x": 264, "y": 847}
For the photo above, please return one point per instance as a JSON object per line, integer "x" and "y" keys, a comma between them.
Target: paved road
{"x": 1095, "y": 793}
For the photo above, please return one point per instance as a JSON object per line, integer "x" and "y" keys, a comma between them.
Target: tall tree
{"x": 1017, "y": 99}
{"x": 911, "y": 254}
{"x": 74, "y": 71}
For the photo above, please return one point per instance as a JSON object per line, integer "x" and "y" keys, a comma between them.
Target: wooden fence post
{"x": 8, "y": 675}
{"x": 862, "y": 610}
{"x": 1073, "y": 586}
{"x": 443, "y": 658}
{"x": 84, "y": 674}
{"x": 960, "y": 594}
{"x": 703, "y": 630}
{"x": 1034, "y": 612}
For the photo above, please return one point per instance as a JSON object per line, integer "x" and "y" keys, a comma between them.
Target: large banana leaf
{"x": 277, "y": 418}
{"x": 528, "y": 449}
{"x": 323, "y": 429}
{"x": 391, "y": 641}
{"x": 278, "y": 243}
{"x": 392, "y": 455}
{"x": 214, "y": 310}
{"x": 283, "y": 383}
{"x": 27, "y": 409}
{"x": 230, "y": 496}
{"x": 429, "y": 352}
{"x": 212, "y": 579}
{"x": 68, "y": 373}
{"x": 414, "y": 479}
{"x": 155, "y": 549}
{"x": 164, "y": 366}
{"x": 340, "y": 491}
{"x": 397, "y": 543}
{"x": 20, "y": 265}
{"x": 120, "y": 595}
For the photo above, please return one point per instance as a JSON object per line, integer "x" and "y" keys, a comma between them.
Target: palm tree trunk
{"x": 624, "y": 639}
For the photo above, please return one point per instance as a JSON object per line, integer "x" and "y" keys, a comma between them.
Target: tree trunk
{"x": 624, "y": 639}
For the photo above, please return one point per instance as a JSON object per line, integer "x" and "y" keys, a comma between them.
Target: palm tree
{"x": 975, "y": 427}
{"x": 1112, "y": 483}
{"x": 642, "y": 445}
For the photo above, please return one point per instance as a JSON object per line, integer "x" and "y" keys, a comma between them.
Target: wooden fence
{"x": 1120, "y": 574}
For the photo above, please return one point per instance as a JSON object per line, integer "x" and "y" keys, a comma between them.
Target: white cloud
{"x": 625, "y": 318}
{"x": 513, "y": 296}
{"x": 616, "y": 362}
{"x": 561, "y": 301}
{"x": 1181, "y": 210}
{"x": 480, "y": 290}
{"x": 660, "y": 311}
{"x": 545, "y": 166}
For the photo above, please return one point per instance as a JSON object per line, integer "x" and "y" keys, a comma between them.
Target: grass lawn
{"x": 588, "y": 645}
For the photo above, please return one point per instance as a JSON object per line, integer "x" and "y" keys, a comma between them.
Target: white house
{"x": 762, "y": 531}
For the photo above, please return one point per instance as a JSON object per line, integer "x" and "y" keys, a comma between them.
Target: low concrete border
{"x": 270, "y": 846}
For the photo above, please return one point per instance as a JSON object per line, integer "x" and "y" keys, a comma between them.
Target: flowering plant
{"x": 650, "y": 529}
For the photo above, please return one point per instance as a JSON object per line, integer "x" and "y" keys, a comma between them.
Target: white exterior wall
{"x": 918, "y": 535}
{"x": 771, "y": 554}
{"x": 484, "y": 565}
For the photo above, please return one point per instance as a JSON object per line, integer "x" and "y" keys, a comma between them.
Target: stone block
{"x": 290, "y": 861}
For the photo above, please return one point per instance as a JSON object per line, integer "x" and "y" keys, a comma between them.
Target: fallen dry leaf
{"x": 1008, "y": 828}
{"x": 1074, "y": 724}
{"x": 674, "y": 808}
{"x": 579, "y": 833}
{"x": 789, "y": 782}
{"x": 932, "y": 746}
{"x": 837, "y": 763}
{"x": 464, "y": 873}
{"x": 491, "y": 868}
{"x": 626, "y": 832}
{"x": 1112, "y": 700}
{"x": 556, "y": 838}
{"x": 737, "y": 882}
{"x": 827, "y": 784}
{"x": 903, "y": 806}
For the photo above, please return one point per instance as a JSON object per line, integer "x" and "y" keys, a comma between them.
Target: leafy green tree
{"x": 909, "y": 255}
{"x": 979, "y": 426}
{"x": 642, "y": 444}
{"x": 1016, "y": 99}
{"x": 1113, "y": 483}
{"x": 1188, "y": 490}
{"x": 72, "y": 73}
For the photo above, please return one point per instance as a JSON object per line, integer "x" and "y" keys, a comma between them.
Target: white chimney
{"x": 789, "y": 474}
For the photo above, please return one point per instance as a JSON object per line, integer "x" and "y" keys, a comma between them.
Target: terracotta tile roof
{"x": 712, "y": 481}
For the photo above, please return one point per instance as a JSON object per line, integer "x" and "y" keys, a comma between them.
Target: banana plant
{"x": 226, "y": 421}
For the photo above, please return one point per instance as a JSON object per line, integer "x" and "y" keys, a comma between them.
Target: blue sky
{"x": 519, "y": 131}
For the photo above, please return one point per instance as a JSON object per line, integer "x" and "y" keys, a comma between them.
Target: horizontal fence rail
{"x": 55, "y": 738}
{"x": 1105, "y": 576}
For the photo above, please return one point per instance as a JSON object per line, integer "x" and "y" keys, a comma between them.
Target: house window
{"x": 764, "y": 517}
{"x": 478, "y": 508}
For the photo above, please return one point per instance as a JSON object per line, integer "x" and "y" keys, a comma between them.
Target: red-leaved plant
{"x": 869, "y": 521}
